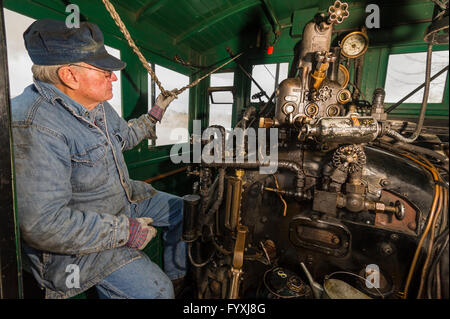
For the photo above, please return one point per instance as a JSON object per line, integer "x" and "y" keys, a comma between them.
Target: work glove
{"x": 141, "y": 232}
{"x": 161, "y": 104}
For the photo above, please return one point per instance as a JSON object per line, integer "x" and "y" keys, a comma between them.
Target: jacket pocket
{"x": 119, "y": 139}
{"x": 89, "y": 169}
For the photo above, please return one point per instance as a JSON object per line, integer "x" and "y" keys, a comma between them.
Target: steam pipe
{"x": 298, "y": 170}
{"x": 292, "y": 166}
{"x": 394, "y": 134}
{"x": 223, "y": 133}
{"x": 217, "y": 203}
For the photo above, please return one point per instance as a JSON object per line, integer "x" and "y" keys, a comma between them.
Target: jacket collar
{"x": 51, "y": 93}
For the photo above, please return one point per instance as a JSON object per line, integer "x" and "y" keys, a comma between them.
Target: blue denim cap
{"x": 51, "y": 42}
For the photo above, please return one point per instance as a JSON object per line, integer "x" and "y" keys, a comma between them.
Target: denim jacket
{"x": 73, "y": 189}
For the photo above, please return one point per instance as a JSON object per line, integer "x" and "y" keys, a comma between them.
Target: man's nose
{"x": 113, "y": 77}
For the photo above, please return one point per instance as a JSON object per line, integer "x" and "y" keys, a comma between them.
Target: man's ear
{"x": 68, "y": 77}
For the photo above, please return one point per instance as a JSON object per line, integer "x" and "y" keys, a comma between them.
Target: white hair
{"x": 47, "y": 73}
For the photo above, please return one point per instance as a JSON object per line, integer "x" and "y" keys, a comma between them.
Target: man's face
{"x": 95, "y": 84}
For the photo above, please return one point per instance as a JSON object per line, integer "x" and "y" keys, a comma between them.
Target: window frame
{"x": 152, "y": 143}
{"x": 213, "y": 89}
{"x": 276, "y": 79}
{"x": 266, "y": 60}
{"x": 407, "y": 110}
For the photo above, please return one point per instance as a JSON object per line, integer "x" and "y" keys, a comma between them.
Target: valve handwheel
{"x": 338, "y": 12}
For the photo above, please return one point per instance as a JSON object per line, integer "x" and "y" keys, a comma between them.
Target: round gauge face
{"x": 354, "y": 45}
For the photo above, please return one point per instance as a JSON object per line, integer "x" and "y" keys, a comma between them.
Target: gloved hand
{"x": 161, "y": 104}
{"x": 140, "y": 232}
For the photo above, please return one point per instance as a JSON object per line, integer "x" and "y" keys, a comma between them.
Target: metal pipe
{"x": 430, "y": 244}
{"x": 161, "y": 176}
{"x": 217, "y": 203}
{"x": 190, "y": 217}
{"x": 422, "y": 150}
{"x": 334, "y": 69}
{"x": 191, "y": 259}
{"x": 244, "y": 165}
{"x": 433, "y": 266}
{"x": 272, "y": 17}
{"x": 415, "y": 135}
{"x": 223, "y": 133}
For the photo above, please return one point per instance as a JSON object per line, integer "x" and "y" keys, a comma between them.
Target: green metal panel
{"x": 214, "y": 19}
{"x": 300, "y": 19}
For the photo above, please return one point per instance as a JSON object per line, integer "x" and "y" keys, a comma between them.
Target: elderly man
{"x": 83, "y": 220}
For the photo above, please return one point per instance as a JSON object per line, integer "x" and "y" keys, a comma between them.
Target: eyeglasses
{"x": 108, "y": 74}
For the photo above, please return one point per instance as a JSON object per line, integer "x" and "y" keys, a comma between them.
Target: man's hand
{"x": 161, "y": 104}
{"x": 141, "y": 232}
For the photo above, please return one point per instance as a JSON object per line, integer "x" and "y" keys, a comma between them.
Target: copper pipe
{"x": 281, "y": 197}
{"x": 422, "y": 239}
{"x": 430, "y": 244}
{"x": 430, "y": 217}
{"x": 444, "y": 210}
{"x": 161, "y": 176}
{"x": 436, "y": 178}
{"x": 438, "y": 281}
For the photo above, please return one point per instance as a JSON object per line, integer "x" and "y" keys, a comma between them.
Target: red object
{"x": 270, "y": 50}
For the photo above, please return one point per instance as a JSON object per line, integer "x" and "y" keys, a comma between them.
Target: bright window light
{"x": 266, "y": 75}
{"x": 19, "y": 63}
{"x": 406, "y": 72}
{"x": 176, "y": 117}
{"x": 116, "y": 101}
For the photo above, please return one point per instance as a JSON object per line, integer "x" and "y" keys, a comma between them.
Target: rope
{"x": 112, "y": 11}
{"x": 115, "y": 16}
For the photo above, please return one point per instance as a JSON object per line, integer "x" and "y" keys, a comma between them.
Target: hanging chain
{"x": 112, "y": 11}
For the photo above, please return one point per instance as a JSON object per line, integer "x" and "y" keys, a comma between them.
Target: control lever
{"x": 317, "y": 289}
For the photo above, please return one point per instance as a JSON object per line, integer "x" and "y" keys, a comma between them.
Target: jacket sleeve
{"x": 43, "y": 171}
{"x": 133, "y": 131}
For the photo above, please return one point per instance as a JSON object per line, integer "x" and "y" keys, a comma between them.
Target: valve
{"x": 338, "y": 12}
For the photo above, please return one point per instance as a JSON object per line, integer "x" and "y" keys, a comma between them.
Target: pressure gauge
{"x": 354, "y": 44}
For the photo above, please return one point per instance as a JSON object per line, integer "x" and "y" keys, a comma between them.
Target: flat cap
{"x": 51, "y": 42}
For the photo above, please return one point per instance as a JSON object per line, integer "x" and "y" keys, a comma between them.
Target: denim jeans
{"x": 142, "y": 278}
